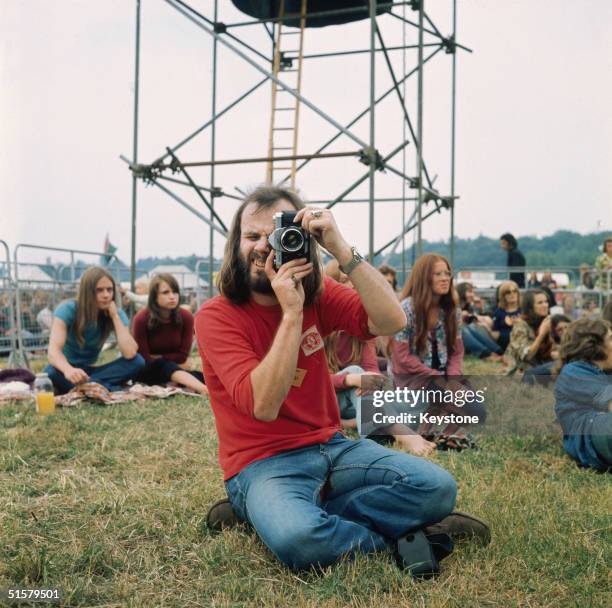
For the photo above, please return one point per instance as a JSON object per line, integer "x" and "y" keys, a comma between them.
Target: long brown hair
{"x": 232, "y": 278}
{"x": 528, "y": 308}
{"x": 534, "y": 321}
{"x": 419, "y": 288}
{"x": 87, "y": 311}
{"x": 331, "y": 351}
{"x": 584, "y": 340}
{"x": 155, "y": 310}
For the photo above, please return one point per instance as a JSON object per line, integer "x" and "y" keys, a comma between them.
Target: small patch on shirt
{"x": 299, "y": 377}
{"x": 311, "y": 341}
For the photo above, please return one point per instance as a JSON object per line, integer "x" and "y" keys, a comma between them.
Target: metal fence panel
{"x": 49, "y": 276}
{"x": 8, "y": 330}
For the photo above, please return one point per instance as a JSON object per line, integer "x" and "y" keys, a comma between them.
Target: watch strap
{"x": 354, "y": 262}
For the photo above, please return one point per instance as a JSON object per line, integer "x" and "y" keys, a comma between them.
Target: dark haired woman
{"x": 475, "y": 328}
{"x": 583, "y": 392}
{"x": 429, "y": 350}
{"x": 164, "y": 333}
{"x": 79, "y": 329}
{"x": 558, "y": 325}
{"x": 531, "y": 343}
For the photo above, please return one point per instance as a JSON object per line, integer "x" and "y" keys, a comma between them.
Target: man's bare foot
{"x": 415, "y": 444}
{"x": 349, "y": 424}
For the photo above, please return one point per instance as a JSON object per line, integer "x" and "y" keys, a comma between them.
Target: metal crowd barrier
{"x": 586, "y": 301}
{"x": 40, "y": 286}
{"x": 204, "y": 290}
{"x": 502, "y": 273}
{"x": 8, "y": 330}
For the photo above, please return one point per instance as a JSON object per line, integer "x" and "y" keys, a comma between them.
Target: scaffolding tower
{"x": 282, "y": 68}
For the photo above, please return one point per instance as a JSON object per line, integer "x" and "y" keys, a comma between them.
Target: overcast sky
{"x": 534, "y": 127}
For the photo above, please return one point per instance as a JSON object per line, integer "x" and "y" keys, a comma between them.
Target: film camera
{"x": 288, "y": 240}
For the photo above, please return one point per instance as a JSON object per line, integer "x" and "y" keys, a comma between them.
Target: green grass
{"x": 108, "y": 503}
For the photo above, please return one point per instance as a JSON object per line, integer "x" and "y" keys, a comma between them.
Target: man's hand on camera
{"x": 320, "y": 223}
{"x": 287, "y": 282}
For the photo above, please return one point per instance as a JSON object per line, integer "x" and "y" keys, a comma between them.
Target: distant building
{"x": 186, "y": 278}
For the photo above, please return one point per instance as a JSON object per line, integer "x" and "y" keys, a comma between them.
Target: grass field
{"x": 108, "y": 503}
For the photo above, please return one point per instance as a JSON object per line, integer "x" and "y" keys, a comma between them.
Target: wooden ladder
{"x": 285, "y": 110}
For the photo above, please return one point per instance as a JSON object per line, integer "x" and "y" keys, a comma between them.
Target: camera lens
{"x": 292, "y": 240}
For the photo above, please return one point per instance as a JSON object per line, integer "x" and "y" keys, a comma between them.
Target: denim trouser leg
{"x": 60, "y": 384}
{"x": 483, "y": 335}
{"x": 472, "y": 344}
{"x": 540, "y": 374}
{"x": 117, "y": 372}
{"x": 375, "y": 496}
{"x": 478, "y": 342}
{"x": 348, "y": 400}
{"x": 602, "y": 436}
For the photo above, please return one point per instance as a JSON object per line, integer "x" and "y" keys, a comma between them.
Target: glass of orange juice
{"x": 45, "y": 399}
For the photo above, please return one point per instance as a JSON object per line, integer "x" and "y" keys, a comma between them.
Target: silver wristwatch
{"x": 355, "y": 261}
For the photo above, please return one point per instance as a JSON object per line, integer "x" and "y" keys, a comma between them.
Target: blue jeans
{"x": 540, "y": 374}
{"x": 112, "y": 375}
{"x": 478, "y": 342}
{"x": 313, "y": 505}
{"x": 348, "y": 400}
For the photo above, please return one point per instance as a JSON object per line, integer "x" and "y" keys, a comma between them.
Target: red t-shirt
{"x": 172, "y": 342}
{"x": 233, "y": 340}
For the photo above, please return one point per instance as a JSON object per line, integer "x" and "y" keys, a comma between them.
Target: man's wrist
{"x": 293, "y": 317}
{"x": 356, "y": 259}
{"x": 344, "y": 254}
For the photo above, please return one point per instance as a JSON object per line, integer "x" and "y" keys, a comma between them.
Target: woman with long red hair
{"x": 428, "y": 352}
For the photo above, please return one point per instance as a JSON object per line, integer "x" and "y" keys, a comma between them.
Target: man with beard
{"x": 311, "y": 494}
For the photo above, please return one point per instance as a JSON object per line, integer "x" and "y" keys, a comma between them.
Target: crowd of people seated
{"x": 289, "y": 352}
{"x": 523, "y": 332}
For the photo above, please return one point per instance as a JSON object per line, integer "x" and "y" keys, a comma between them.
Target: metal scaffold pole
{"x": 419, "y": 143}
{"x": 453, "y": 106}
{"x": 372, "y": 127}
{"x": 135, "y": 150}
{"x": 213, "y": 148}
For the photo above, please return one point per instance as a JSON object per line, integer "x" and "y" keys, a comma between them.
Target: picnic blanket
{"x": 93, "y": 391}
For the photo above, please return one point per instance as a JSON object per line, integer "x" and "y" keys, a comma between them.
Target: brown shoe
{"x": 221, "y": 516}
{"x": 460, "y": 526}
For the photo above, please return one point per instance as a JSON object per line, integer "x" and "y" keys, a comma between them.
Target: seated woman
{"x": 533, "y": 282}
{"x": 531, "y": 343}
{"x": 475, "y": 328}
{"x": 164, "y": 333}
{"x": 349, "y": 360}
{"x": 80, "y": 328}
{"x": 583, "y": 393}
{"x": 429, "y": 350}
{"x": 558, "y": 325}
{"x": 507, "y": 311}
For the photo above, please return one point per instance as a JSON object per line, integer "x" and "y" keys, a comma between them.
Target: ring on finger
{"x": 317, "y": 213}
{"x": 295, "y": 281}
